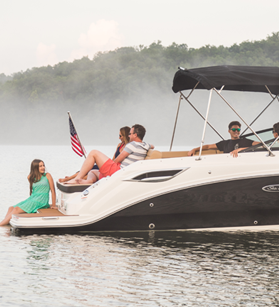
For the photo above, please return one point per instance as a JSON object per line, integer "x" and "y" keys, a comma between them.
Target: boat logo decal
{"x": 271, "y": 188}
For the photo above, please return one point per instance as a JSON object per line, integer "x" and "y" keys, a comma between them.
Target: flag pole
{"x": 77, "y": 134}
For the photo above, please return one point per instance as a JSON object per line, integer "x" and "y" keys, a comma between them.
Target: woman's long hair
{"x": 34, "y": 175}
{"x": 125, "y": 132}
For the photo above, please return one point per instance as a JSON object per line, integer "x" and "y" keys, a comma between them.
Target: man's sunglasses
{"x": 235, "y": 129}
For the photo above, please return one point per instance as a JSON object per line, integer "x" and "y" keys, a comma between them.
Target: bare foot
{"x": 63, "y": 179}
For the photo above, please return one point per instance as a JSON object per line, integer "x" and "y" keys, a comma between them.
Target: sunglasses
{"x": 235, "y": 129}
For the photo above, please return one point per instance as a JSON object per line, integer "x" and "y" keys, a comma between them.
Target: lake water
{"x": 174, "y": 268}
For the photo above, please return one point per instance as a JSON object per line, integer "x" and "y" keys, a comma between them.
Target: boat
{"x": 171, "y": 190}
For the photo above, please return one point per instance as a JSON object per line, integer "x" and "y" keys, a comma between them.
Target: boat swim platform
{"x": 41, "y": 213}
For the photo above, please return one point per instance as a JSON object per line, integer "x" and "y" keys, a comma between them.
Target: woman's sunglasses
{"x": 235, "y": 129}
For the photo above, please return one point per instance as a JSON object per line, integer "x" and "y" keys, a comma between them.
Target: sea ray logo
{"x": 271, "y": 188}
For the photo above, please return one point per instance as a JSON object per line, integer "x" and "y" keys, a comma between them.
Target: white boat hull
{"x": 177, "y": 193}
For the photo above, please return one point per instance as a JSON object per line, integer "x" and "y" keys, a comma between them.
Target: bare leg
{"x": 69, "y": 179}
{"x": 11, "y": 211}
{"x": 94, "y": 156}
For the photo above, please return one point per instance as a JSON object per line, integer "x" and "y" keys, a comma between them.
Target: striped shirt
{"x": 137, "y": 151}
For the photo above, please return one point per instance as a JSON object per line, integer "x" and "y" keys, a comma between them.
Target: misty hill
{"x": 114, "y": 89}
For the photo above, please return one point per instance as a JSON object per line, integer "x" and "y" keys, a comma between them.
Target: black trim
{"x": 72, "y": 188}
{"x": 164, "y": 173}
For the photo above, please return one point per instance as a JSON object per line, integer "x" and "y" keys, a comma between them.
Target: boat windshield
{"x": 265, "y": 135}
{"x": 259, "y": 147}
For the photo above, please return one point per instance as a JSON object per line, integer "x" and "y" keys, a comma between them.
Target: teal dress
{"x": 39, "y": 198}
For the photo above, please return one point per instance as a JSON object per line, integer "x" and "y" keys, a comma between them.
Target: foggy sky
{"x": 37, "y": 33}
{"x": 96, "y": 127}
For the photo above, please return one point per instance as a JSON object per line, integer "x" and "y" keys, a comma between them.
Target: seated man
{"x": 276, "y": 130}
{"x": 134, "y": 151}
{"x": 234, "y": 145}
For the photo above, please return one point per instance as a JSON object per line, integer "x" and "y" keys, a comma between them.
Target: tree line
{"x": 124, "y": 72}
{"x": 121, "y": 87}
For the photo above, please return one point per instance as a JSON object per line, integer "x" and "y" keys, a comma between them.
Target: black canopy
{"x": 235, "y": 78}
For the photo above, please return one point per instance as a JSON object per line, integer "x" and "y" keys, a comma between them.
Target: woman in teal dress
{"x": 40, "y": 185}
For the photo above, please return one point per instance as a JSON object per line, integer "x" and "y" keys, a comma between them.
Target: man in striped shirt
{"x": 134, "y": 151}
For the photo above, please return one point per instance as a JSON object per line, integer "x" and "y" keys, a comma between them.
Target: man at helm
{"x": 232, "y": 146}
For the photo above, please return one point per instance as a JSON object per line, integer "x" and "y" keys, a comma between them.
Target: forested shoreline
{"x": 122, "y": 71}
{"x": 113, "y": 80}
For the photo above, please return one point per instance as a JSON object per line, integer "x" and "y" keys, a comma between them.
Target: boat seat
{"x": 153, "y": 154}
{"x": 156, "y": 154}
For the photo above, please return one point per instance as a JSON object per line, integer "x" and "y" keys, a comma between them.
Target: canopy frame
{"x": 178, "y": 108}
{"x": 232, "y": 78}
{"x": 252, "y": 130}
{"x": 274, "y": 97}
{"x": 274, "y": 142}
{"x": 205, "y": 122}
{"x": 181, "y": 96}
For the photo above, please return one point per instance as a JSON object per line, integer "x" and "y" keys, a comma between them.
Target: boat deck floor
{"x": 42, "y": 213}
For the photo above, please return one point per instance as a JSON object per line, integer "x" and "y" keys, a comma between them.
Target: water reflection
{"x": 185, "y": 239}
{"x": 143, "y": 268}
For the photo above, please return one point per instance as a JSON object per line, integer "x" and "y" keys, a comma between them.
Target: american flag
{"x": 76, "y": 146}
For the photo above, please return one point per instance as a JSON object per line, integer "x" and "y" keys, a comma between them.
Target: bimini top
{"x": 234, "y": 78}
